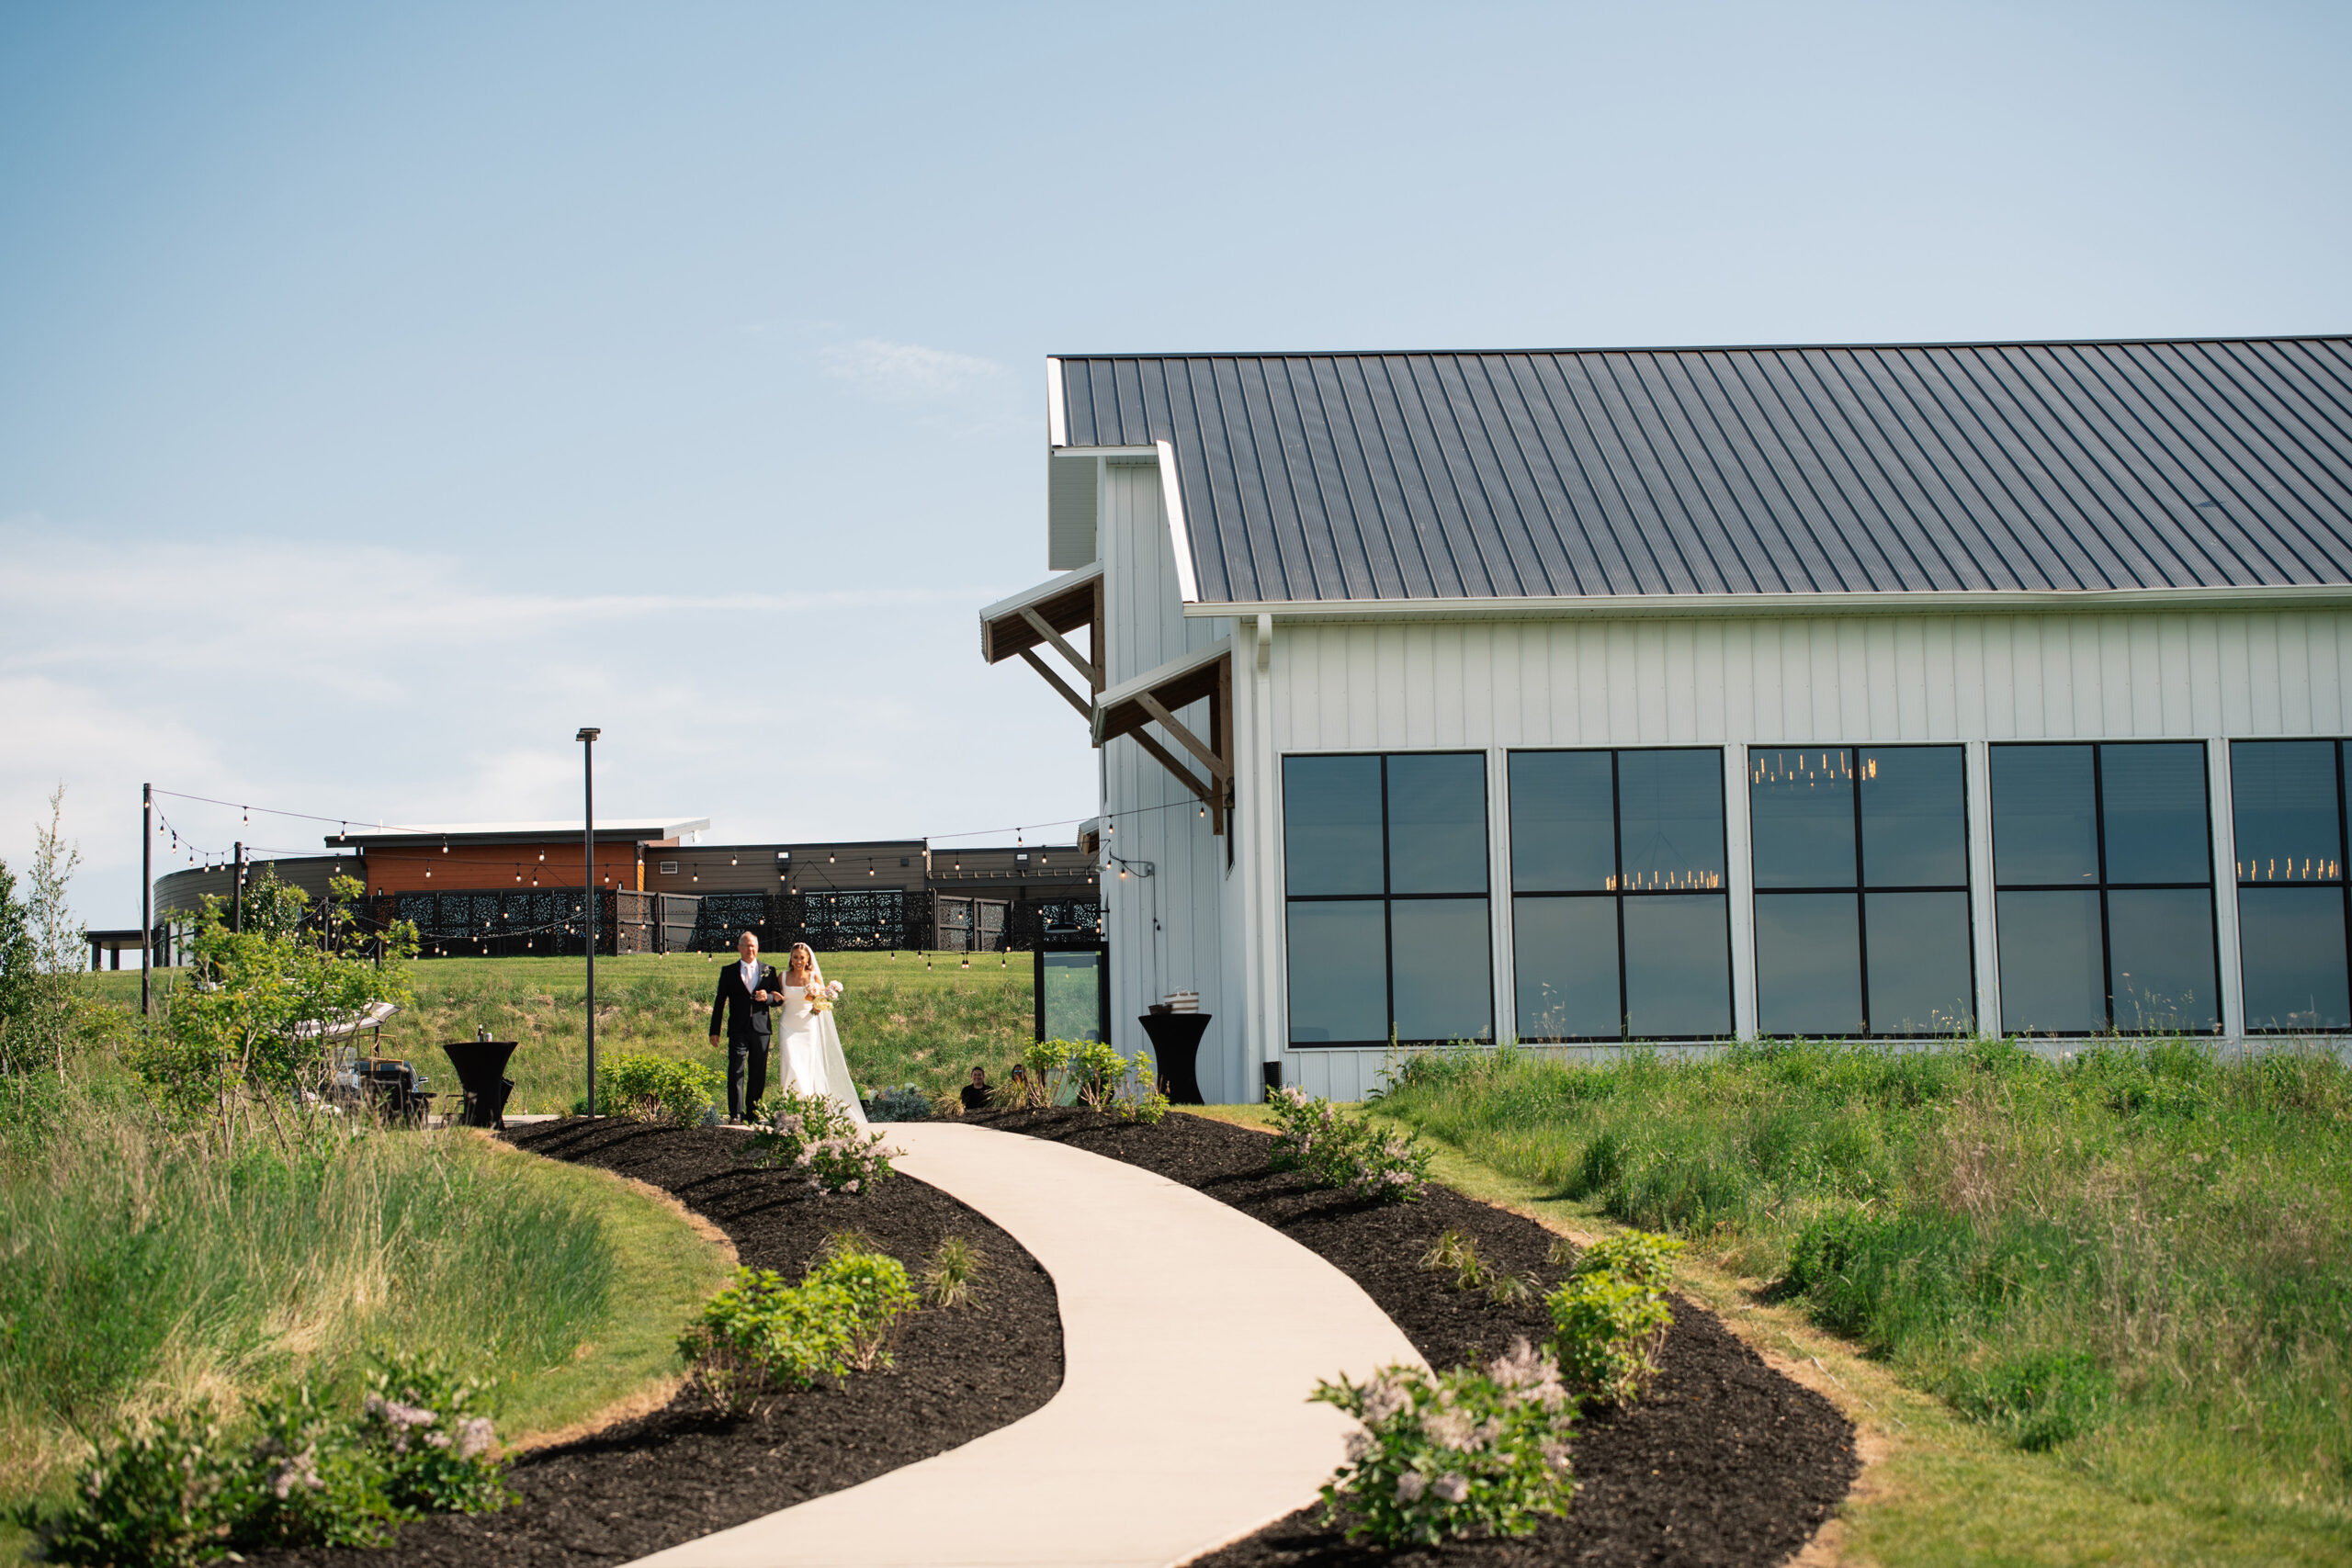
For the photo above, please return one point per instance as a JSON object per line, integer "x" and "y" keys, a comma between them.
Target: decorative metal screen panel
{"x": 525, "y": 923}
{"x": 721, "y": 917}
{"x": 1029, "y": 922}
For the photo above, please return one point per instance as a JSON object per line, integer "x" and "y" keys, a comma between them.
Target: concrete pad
{"x": 1192, "y": 1336}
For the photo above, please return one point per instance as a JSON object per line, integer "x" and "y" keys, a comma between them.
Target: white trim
{"x": 1051, "y": 588}
{"x": 1057, "y": 409}
{"x": 1188, "y": 587}
{"x": 1146, "y": 453}
{"x": 2229, "y": 949}
{"x": 1620, "y": 606}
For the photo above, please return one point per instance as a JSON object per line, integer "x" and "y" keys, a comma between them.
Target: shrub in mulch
{"x": 688, "y": 1470}
{"x": 1721, "y": 1461}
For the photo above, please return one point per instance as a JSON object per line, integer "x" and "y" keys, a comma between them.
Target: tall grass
{"x": 2137, "y": 1256}
{"x": 147, "y": 1269}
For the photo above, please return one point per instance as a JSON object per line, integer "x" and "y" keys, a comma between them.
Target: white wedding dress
{"x": 811, "y": 1049}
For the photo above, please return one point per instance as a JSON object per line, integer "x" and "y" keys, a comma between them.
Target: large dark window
{"x": 1862, "y": 890}
{"x": 1386, "y": 867}
{"x": 1620, "y": 925}
{"x": 2103, "y": 885}
{"x": 2288, "y": 797}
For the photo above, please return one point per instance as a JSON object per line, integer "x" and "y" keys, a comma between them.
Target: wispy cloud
{"x": 906, "y": 372}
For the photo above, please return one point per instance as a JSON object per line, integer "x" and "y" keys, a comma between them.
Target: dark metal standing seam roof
{"x": 2211, "y": 462}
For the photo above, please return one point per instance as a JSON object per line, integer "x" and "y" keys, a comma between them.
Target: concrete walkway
{"x": 1192, "y": 1336}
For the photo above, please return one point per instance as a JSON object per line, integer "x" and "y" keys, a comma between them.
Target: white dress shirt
{"x": 751, "y": 972}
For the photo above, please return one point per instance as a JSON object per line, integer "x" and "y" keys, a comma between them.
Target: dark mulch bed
{"x": 681, "y": 1472}
{"x": 1725, "y": 1461}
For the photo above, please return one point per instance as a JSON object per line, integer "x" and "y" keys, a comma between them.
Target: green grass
{"x": 2109, "y": 1297}
{"x": 918, "y": 1018}
{"x": 147, "y": 1271}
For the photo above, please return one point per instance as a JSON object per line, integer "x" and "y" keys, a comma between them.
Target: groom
{"x": 746, "y": 991}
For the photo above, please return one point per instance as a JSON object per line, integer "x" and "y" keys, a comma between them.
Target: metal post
{"x": 237, "y": 890}
{"x": 146, "y": 890}
{"x": 587, "y": 738}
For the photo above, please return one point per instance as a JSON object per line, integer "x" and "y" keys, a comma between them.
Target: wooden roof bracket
{"x": 1154, "y": 697}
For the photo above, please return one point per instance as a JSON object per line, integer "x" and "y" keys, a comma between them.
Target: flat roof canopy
{"x": 627, "y": 830}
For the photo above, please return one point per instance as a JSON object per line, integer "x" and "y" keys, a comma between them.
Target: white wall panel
{"x": 1797, "y": 681}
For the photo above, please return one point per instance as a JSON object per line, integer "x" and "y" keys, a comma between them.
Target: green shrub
{"x": 163, "y": 1499}
{"x": 1347, "y": 1153}
{"x": 640, "y": 1086}
{"x": 1645, "y": 1259}
{"x": 1465, "y": 1451}
{"x": 760, "y": 1336}
{"x": 812, "y": 1134}
{"x": 1607, "y": 1330}
{"x": 872, "y": 1293}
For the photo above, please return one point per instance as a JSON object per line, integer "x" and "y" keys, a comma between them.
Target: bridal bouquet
{"x": 822, "y": 998}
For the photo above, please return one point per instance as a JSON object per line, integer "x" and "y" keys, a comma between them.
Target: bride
{"x": 809, "y": 1044}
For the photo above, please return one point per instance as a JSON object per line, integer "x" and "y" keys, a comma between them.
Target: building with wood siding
{"x": 1594, "y": 697}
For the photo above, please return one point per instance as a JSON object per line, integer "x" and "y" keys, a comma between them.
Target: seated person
{"x": 976, "y": 1093}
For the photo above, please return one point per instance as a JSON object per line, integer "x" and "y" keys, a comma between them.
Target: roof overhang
{"x": 623, "y": 831}
{"x": 1153, "y": 697}
{"x": 1734, "y": 606}
{"x": 1066, "y": 604}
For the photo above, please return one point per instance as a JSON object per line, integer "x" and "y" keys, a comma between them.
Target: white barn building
{"x": 1687, "y": 694}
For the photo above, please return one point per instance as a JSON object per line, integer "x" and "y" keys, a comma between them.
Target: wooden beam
{"x": 1084, "y": 708}
{"x": 1192, "y": 742}
{"x": 1084, "y": 666}
{"x": 1160, "y": 753}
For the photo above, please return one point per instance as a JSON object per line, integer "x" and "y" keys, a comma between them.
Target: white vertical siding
{"x": 1166, "y": 931}
{"x": 1851, "y": 680}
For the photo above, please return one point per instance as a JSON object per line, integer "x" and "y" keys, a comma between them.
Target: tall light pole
{"x": 146, "y": 891}
{"x": 587, "y": 738}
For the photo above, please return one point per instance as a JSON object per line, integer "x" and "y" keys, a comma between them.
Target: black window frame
{"x": 1861, "y": 886}
{"x": 1620, "y": 892}
{"x": 2342, "y": 881}
{"x": 2104, "y": 886}
{"x": 1388, "y": 899}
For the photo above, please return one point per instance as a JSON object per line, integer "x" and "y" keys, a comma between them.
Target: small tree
{"x": 41, "y": 944}
{"x": 19, "y": 983}
{"x": 255, "y": 1013}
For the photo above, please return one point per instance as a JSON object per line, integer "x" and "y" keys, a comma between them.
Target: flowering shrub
{"x": 760, "y": 1335}
{"x": 292, "y": 1473}
{"x": 313, "y": 1483}
{"x": 437, "y": 1450}
{"x": 1463, "y": 1451}
{"x": 810, "y": 1133}
{"x": 1610, "y": 1316}
{"x": 642, "y": 1086}
{"x": 1349, "y": 1153}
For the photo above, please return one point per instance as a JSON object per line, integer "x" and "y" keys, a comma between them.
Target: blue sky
{"x": 385, "y": 392}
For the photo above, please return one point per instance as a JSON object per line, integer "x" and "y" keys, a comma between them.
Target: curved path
{"x": 1192, "y": 1336}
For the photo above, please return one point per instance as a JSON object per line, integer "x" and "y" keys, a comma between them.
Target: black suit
{"x": 747, "y": 1033}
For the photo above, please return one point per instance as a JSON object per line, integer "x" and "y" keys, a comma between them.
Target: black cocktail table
{"x": 1176, "y": 1046}
{"x": 481, "y": 1068}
